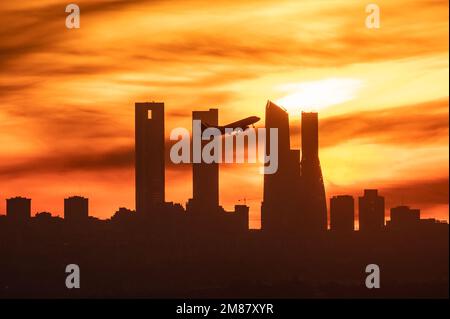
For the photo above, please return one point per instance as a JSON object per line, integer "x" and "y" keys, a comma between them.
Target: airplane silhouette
{"x": 243, "y": 124}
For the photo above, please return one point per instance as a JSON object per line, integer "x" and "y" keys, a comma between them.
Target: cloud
{"x": 424, "y": 123}
{"x": 83, "y": 160}
{"x": 317, "y": 95}
{"x": 270, "y": 33}
{"x": 419, "y": 193}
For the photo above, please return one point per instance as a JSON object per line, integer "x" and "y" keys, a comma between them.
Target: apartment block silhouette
{"x": 342, "y": 213}
{"x": 76, "y": 209}
{"x": 404, "y": 217}
{"x": 18, "y": 209}
{"x": 371, "y": 211}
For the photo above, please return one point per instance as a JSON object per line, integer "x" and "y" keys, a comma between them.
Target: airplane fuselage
{"x": 242, "y": 124}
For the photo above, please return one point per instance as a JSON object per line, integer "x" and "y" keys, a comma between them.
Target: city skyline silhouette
{"x": 100, "y": 99}
{"x": 293, "y": 252}
{"x": 396, "y": 127}
{"x": 151, "y": 159}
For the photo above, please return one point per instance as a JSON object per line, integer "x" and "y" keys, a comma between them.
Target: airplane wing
{"x": 243, "y": 124}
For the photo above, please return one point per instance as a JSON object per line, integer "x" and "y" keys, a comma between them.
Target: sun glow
{"x": 317, "y": 95}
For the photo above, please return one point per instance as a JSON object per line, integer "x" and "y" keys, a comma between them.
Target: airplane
{"x": 243, "y": 124}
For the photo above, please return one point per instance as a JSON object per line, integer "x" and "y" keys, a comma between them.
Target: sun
{"x": 318, "y": 95}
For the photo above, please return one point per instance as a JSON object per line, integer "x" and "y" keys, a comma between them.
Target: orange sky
{"x": 67, "y": 96}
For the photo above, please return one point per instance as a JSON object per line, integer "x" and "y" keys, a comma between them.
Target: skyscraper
{"x": 76, "y": 209}
{"x": 205, "y": 176}
{"x": 342, "y": 213}
{"x": 371, "y": 211}
{"x": 280, "y": 207}
{"x": 18, "y": 209}
{"x": 313, "y": 190}
{"x": 149, "y": 156}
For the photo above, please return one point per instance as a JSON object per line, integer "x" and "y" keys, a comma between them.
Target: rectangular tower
{"x": 342, "y": 213}
{"x": 371, "y": 211}
{"x": 206, "y": 175}
{"x": 76, "y": 209}
{"x": 18, "y": 209}
{"x": 149, "y": 156}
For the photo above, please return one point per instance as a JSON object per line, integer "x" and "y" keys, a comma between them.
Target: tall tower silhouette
{"x": 206, "y": 175}
{"x": 280, "y": 206}
{"x": 313, "y": 199}
{"x": 149, "y": 156}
